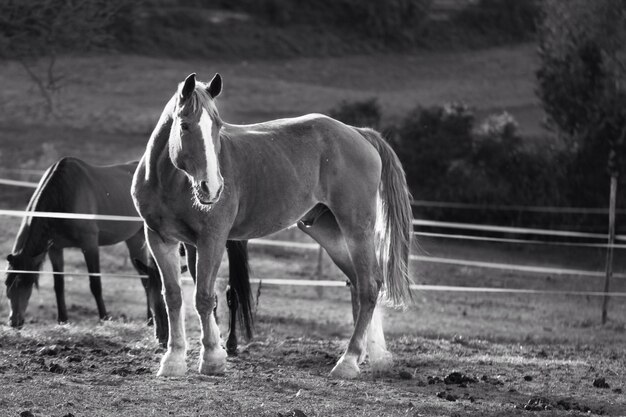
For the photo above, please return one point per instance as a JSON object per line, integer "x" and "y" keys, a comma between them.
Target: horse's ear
{"x": 188, "y": 87}
{"x": 215, "y": 86}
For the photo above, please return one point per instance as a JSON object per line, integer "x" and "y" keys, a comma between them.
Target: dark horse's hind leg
{"x": 149, "y": 318}
{"x": 56, "y": 259}
{"x": 92, "y": 258}
{"x": 137, "y": 250}
{"x": 233, "y": 304}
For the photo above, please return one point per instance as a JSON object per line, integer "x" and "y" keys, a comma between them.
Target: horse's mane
{"x": 51, "y": 195}
{"x": 199, "y": 100}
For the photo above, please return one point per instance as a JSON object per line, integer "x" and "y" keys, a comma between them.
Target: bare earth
{"x": 455, "y": 354}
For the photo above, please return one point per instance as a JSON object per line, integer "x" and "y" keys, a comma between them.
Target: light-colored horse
{"x": 202, "y": 181}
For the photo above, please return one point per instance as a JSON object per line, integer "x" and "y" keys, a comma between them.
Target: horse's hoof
{"x": 346, "y": 368}
{"x": 213, "y": 362}
{"x": 231, "y": 348}
{"x": 172, "y": 365}
{"x": 381, "y": 361}
{"x": 106, "y": 318}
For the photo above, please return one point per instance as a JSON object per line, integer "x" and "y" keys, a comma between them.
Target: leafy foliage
{"x": 447, "y": 156}
{"x": 428, "y": 141}
{"x": 389, "y": 19}
{"x": 364, "y": 113}
{"x": 500, "y": 20}
{"x": 581, "y": 86}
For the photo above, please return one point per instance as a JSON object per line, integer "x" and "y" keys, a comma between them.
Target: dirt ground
{"x": 454, "y": 355}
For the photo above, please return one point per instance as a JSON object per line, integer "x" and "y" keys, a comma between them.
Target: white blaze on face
{"x": 212, "y": 168}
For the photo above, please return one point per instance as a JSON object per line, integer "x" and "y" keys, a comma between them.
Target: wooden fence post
{"x": 610, "y": 249}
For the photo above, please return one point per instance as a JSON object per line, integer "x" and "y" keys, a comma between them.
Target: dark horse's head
{"x": 20, "y": 284}
{"x": 194, "y": 144}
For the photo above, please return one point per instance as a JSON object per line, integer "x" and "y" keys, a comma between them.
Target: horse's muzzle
{"x": 204, "y": 196}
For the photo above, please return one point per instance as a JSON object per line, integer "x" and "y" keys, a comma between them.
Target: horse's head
{"x": 194, "y": 143}
{"x": 20, "y": 284}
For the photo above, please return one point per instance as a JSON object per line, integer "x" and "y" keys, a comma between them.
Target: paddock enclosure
{"x": 457, "y": 352}
{"x": 454, "y": 352}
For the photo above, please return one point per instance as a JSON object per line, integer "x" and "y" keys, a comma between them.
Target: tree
{"x": 581, "y": 86}
{"x": 35, "y": 32}
{"x": 582, "y": 71}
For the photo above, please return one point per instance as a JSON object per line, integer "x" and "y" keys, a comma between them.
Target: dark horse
{"x": 202, "y": 181}
{"x": 74, "y": 186}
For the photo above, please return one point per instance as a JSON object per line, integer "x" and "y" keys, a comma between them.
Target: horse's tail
{"x": 239, "y": 281}
{"x": 394, "y": 221}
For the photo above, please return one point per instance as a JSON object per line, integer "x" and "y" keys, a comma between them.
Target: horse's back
{"x": 313, "y": 140}
{"x": 98, "y": 189}
{"x": 76, "y": 186}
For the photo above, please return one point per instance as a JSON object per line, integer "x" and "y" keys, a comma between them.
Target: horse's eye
{"x": 184, "y": 126}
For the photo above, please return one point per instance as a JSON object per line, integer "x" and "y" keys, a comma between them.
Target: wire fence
{"x": 428, "y": 259}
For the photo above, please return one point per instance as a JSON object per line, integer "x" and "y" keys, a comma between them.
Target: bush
{"x": 428, "y": 140}
{"x": 364, "y": 113}
{"x": 500, "y": 20}
{"x": 447, "y": 159}
{"x": 387, "y": 19}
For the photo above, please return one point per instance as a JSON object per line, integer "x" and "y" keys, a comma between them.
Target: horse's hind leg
{"x": 233, "y": 305}
{"x": 92, "y": 258}
{"x": 56, "y": 259}
{"x": 326, "y": 232}
{"x": 369, "y": 279}
{"x": 137, "y": 250}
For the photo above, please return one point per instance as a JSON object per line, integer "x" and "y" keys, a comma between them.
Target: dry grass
{"x": 519, "y": 349}
{"x": 516, "y": 348}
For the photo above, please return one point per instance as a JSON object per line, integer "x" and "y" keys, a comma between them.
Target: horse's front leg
{"x": 165, "y": 253}
{"x": 212, "y": 355}
{"x": 56, "y": 259}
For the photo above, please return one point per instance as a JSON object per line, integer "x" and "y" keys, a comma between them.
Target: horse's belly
{"x": 259, "y": 224}
{"x": 111, "y": 232}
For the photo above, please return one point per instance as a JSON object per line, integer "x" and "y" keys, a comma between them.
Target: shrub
{"x": 364, "y": 113}
{"x": 500, "y": 20}
{"x": 388, "y": 19}
{"x": 428, "y": 140}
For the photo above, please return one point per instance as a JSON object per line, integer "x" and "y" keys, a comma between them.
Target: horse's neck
{"x": 33, "y": 236}
{"x": 156, "y": 157}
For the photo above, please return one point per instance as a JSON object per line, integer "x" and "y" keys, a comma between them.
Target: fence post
{"x": 610, "y": 249}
